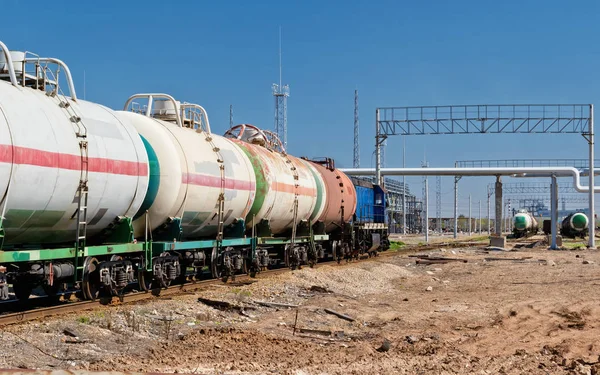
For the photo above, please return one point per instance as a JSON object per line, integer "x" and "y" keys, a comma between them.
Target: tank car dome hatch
{"x": 254, "y": 136}
{"x": 17, "y": 58}
{"x": 166, "y": 110}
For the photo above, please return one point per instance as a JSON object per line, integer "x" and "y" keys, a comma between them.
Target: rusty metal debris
{"x": 276, "y": 304}
{"x": 340, "y": 315}
{"x": 335, "y": 334}
{"x": 439, "y": 260}
{"x": 223, "y": 305}
{"x": 490, "y": 259}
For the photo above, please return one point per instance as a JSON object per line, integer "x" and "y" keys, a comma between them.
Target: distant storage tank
{"x": 574, "y": 225}
{"x": 280, "y": 178}
{"x": 524, "y": 224}
{"x": 189, "y": 169}
{"x": 40, "y": 161}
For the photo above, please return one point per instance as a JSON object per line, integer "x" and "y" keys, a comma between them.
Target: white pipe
{"x": 516, "y": 172}
{"x": 9, "y": 63}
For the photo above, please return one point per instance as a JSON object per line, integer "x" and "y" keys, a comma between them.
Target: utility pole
{"x": 480, "y": 217}
{"x": 469, "y": 215}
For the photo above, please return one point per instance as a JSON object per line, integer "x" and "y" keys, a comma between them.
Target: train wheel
{"x": 22, "y": 291}
{"x": 214, "y": 266}
{"x": 334, "y": 252}
{"x": 145, "y": 280}
{"x": 90, "y": 284}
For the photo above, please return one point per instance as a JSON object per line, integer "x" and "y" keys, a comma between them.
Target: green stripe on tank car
{"x": 579, "y": 221}
{"x": 153, "y": 181}
{"x": 319, "y": 191}
{"x": 262, "y": 187}
{"x": 520, "y": 222}
{"x": 40, "y": 219}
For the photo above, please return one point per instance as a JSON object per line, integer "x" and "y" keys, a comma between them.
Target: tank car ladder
{"x": 294, "y": 209}
{"x": 220, "y": 205}
{"x": 82, "y": 188}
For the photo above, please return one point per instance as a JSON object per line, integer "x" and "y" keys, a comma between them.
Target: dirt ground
{"x": 524, "y": 311}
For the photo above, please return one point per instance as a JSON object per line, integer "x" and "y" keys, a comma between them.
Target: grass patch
{"x": 574, "y": 245}
{"x": 83, "y": 320}
{"x": 396, "y": 245}
{"x": 480, "y": 238}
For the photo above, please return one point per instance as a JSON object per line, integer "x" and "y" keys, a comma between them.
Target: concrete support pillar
{"x": 553, "y": 212}
{"x": 426, "y": 211}
{"x": 489, "y": 216}
{"x": 480, "y": 222}
{"x": 470, "y": 220}
{"x": 498, "y": 201}
{"x": 456, "y": 179}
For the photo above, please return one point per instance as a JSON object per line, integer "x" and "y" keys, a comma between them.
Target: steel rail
{"x": 70, "y": 307}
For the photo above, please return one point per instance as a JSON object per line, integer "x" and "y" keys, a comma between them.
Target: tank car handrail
{"x": 11, "y": 68}
{"x": 201, "y": 109}
{"x": 150, "y": 97}
{"x": 60, "y": 63}
{"x": 272, "y": 140}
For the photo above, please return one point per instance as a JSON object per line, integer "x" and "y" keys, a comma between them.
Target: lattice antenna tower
{"x": 281, "y": 93}
{"x": 356, "y": 163}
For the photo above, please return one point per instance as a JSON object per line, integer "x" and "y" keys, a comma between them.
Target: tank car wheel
{"x": 245, "y": 266}
{"x": 145, "y": 280}
{"x": 214, "y": 267}
{"x": 22, "y": 291}
{"x": 334, "y": 252}
{"x": 90, "y": 284}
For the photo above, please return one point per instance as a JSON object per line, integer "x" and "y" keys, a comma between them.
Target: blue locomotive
{"x": 369, "y": 223}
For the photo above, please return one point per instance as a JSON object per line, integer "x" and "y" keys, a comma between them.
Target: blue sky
{"x": 395, "y": 53}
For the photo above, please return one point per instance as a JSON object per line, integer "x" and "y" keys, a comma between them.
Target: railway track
{"x": 70, "y": 307}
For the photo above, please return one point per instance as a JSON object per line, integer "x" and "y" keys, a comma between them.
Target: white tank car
{"x": 41, "y": 158}
{"x": 190, "y": 168}
{"x": 285, "y": 185}
{"x": 524, "y": 223}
